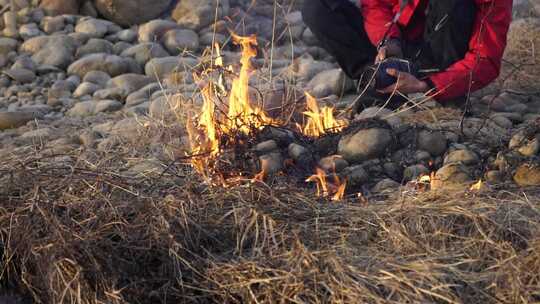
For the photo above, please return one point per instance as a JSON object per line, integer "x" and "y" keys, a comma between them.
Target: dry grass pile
{"x": 72, "y": 232}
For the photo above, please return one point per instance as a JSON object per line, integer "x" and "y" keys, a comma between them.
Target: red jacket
{"x": 486, "y": 47}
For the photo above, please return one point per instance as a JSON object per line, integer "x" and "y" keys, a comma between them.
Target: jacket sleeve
{"x": 378, "y": 15}
{"x": 482, "y": 63}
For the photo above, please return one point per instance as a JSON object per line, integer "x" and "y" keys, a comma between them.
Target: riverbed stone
{"x": 365, "y": 144}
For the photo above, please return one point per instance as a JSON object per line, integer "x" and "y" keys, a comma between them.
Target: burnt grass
{"x": 74, "y": 231}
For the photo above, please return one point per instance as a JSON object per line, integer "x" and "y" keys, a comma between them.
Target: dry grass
{"x": 76, "y": 232}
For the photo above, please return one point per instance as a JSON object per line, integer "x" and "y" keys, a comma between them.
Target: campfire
{"x": 222, "y": 133}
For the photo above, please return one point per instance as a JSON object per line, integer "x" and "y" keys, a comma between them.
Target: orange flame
{"x": 242, "y": 116}
{"x": 477, "y": 186}
{"x": 320, "y": 120}
{"x": 205, "y": 135}
{"x": 261, "y": 176}
{"x": 325, "y": 189}
{"x": 212, "y": 124}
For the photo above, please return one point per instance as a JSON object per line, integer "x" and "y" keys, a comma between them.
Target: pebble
{"x": 452, "y": 176}
{"x": 271, "y": 163}
{"x": 365, "y": 144}
{"x": 433, "y": 142}
{"x": 333, "y": 164}
{"x": 356, "y": 176}
{"x": 527, "y": 175}
{"x": 10, "y": 120}
{"x": 266, "y": 147}
{"x": 386, "y": 185}
{"x": 465, "y": 157}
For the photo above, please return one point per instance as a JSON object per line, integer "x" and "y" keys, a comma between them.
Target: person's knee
{"x": 313, "y": 11}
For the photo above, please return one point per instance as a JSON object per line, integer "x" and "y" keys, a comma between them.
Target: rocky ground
{"x": 83, "y": 89}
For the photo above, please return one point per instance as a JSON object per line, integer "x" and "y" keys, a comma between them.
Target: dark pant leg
{"x": 338, "y": 25}
{"x": 449, "y": 27}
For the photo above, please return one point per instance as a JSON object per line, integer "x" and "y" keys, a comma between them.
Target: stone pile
{"x": 81, "y": 82}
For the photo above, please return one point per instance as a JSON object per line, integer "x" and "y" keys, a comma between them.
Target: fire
{"x": 205, "y": 135}
{"x": 431, "y": 180}
{"x": 214, "y": 127}
{"x": 477, "y": 186}
{"x": 325, "y": 189}
{"x": 320, "y": 121}
{"x": 242, "y": 115}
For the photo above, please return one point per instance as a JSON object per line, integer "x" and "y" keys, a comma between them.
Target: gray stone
{"x": 452, "y": 176}
{"x": 8, "y": 45}
{"x": 107, "y": 106}
{"x": 356, "y": 176}
{"x": 305, "y": 68}
{"x": 144, "y": 52}
{"x": 155, "y": 29}
{"x": 334, "y": 163}
{"x": 128, "y": 35}
{"x": 159, "y": 68}
{"x": 60, "y": 57}
{"x": 95, "y": 45}
{"x": 97, "y": 77}
{"x": 266, "y": 147}
{"x": 300, "y": 154}
{"x": 30, "y": 30}
{"x": 271, "y": 163}
{"x": 130, "y": 82}
{"x": 466, "y": 157}
{"x": 55, "y": 50}
{"x": 110, "y": 64}
{"x": 110, "y": 93}
{"x": 85, "y": 88}
{"x": 95, "y": 28}
{"x": 197, "y": 14}
{"x": 120, "y": 47}
{"x": 60, "y": 7}
{"x": 178, "y": 41}
{"x": 9, "y": 120}
{"x": 142, "y": 95}
{"x": 365, "y": 144}
{"x": 24, "y": 62}
{"x": 494, "y": 177}
{"x": 131, "y": 12}
{"x": 386, "y": 185}
{"x": 524, "y": 145}
{"x": 210, "y": 39}
{"x": 381, "y": 113}
{"x": 502, "y": 121}
{"x": 527, "y": 175}
{"x": 21, "y": 75}
{"x": 330, "y": 82}
{"x": 433, "y": 142}
{"x": 83, "y": 109}
{"x": 422, "y": 156}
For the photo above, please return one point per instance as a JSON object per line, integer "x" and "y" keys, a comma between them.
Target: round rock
{"x": 433, "y": 142}
{"x": 177, "y": 41}
{"x": 365, "y": 144}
